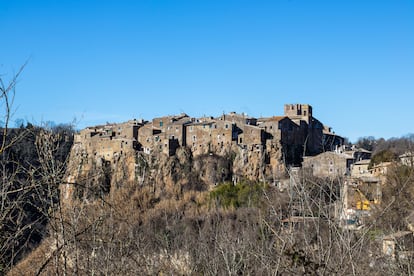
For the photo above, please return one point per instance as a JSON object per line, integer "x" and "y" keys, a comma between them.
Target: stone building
{"x": 164, "y": 134}
{"x": 330, "y": 140}
{"x": 109, "y": 140}
{"x": 328, "y": 164}
{"x": 407, "y": 159}
{"x": 251, "y": 135}
{"x": 239, "y": 119}
{"x": 200, "y": 136}
{"x": 361, "y": 168}
{"x": 311, "y": 129}
{"x": 282, "y": 132}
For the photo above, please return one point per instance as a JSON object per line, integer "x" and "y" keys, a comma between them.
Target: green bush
{"x": 244, "y": 194}
{"x": 383, "y": 156}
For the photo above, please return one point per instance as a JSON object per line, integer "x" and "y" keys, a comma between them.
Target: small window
{"x": 161, "y": 124}
{"x": 227, "y": 126}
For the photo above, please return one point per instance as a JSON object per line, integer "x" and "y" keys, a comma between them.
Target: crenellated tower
{"x": 301, "y": 112}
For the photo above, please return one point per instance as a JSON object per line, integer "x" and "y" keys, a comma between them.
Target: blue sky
{"x": 100, "y": 61}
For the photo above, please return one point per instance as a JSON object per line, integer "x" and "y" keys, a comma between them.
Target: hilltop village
{"x": 275, "y": 150}
{"x": 279, "y": 141}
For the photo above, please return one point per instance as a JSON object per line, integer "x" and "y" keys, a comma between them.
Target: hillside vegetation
{"x": 248, "y": 227}
{"x": 62, "y": 213}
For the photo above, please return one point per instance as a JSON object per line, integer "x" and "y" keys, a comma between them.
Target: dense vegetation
{"x": 233, "y": 229}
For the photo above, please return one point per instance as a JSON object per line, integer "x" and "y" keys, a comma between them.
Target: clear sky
{"x": 110, "y": 61}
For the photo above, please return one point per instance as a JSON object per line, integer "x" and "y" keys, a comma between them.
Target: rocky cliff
{"x": 92, "y": 175}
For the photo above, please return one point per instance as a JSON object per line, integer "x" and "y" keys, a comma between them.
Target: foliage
{"x": 243, "y": 194}
{"x": 383, "y": 156}
{"x": 367, "y": 143}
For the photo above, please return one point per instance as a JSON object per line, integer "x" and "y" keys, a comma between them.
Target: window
{"x": 227, "y": 126}
{"x": 194, "y": 138}
{"x": 304, "y": 112}
{"x": 161, "y": 124}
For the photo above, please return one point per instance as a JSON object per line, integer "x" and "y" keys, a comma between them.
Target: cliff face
{"x": 92, "y": 175}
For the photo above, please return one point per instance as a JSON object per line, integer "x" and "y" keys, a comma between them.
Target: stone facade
{"x": 361, "y": 169}
{"x": 329, "y": 164}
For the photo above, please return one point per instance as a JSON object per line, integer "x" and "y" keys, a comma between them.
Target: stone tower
{"x": 301, "y": 112}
